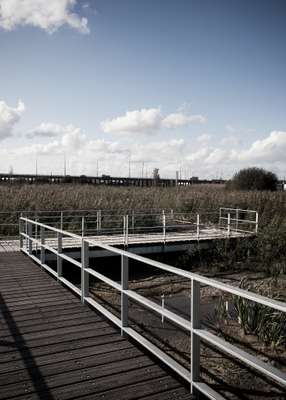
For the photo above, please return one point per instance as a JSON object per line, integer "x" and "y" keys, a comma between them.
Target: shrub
{"x": 253, "y": 179}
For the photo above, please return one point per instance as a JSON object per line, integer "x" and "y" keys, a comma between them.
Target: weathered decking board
{"x": 53, "y": 347}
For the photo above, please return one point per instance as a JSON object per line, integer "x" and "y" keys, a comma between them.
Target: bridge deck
{"x": 53, "y": 347}
{"x": 206, "y": 234}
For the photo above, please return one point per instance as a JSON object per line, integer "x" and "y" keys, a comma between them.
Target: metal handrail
{"x": 193, "y": 326}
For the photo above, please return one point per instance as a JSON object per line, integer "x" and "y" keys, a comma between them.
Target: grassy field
{"x": 268, "y": 250}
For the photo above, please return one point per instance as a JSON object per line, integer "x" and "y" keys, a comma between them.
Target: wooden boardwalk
{"x": 53, "y": 347}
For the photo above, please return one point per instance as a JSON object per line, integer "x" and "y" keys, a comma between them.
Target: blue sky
{"x": 193, "y": 85}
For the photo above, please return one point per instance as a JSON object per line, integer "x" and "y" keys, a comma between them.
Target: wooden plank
{"x": 52, "y": 346}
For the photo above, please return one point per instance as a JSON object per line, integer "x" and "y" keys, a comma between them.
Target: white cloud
{"x": 148, "y": 121}
{"x": 9, "y": 116}
{"x": 139, "y": 121}
{"x": 197, "y": 157}
{"x": 271, "y": 149}
{"x": 48, "y": 15}
{"x": 230, "y": 140}
{"x": 50, "y": 129}
{"x": 204, "y": 139}
{"x": 178, "y": 119}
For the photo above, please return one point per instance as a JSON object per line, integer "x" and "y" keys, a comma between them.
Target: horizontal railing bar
{"x": 182, "y": 322}
{"x": 51, "y": 228}
{"x": 70, "y": 285}
{"x": 246, "y": 221}
{"x": 45, "y": 266}
{"x": 103, "y": 311}
{"x": 237, "y": 209}
{"x": 103, "y": 278}
{"x": 70, "y": 259}
{"x": 243, "y": 356}
{"x": 208, "y": 391}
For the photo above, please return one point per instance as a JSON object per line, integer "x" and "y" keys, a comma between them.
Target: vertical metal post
{"x": 26, "y": 232}
{"x": 172, "y": 214}
{"x": 42, "y": 234}
{"x": 84, "y": 273}
{"x": 36, "y": 234}
{"x": 62, "y": 221}
{"x": 236, "y": 217}
{"x": 20, "y": 232}
{"x": 124, "y": 286}
{"x": 126, "y": 230}
{"x": 133, "y": 221}
{"x": 163, "y": 307}
{"x": 228, "y": 224}
{"x": 98, "y": 220}
{"x": 219, "y": 221}
{"x": 82, "y": 226}
{"x": 30, "y": 243}
{"x": 164, "y": 225}
{"x": 198, "y": 226}
{"x": 195, "y": 339}
{"x": 59, "y": 258}
{"x": 256, "y": 222}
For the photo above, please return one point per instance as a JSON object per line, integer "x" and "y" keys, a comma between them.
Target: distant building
{"x": 156, "y": 175}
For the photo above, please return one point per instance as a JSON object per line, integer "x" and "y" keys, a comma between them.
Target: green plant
{"x": 253, "y": 179}
{"x": 267, "y": 324}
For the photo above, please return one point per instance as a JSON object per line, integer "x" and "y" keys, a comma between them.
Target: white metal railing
{"x": 193, "y": 326}
{"x": 132, "y": 223}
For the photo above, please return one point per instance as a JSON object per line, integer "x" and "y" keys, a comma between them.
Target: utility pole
{"x": 97, "y": 171}
{"x": 129, "y": 168}
{"x": 36, "y": 167}
{"x": 65, "y": 165}
{"x": 142, "y": 169}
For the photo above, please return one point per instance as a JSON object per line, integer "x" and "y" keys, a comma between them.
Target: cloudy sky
{"x": 196, "y": 85}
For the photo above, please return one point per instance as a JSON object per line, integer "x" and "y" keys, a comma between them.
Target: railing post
{"x": 256, "y": 222}
{"x": 30, "y": 243}
{"x": 59, "y": 258}
{"x": 228, "y": 224}
{"x": 133, "y": 221}
{"x": 236, "y": 222}
{"x": 163, "y": 308}
{"x": 198, "y": 226}
{"x": 164, "y": 225}
{"x": 124, "y": 286}
{"x": 62, "y": 221}
{"x": 84, "y": 273}
{"x": 126, "y": 229}
{"x": 36, "y": 234}
{"x": 195, "y": 339}
{"x": 219, "y": 221}
{"x": 42, "y": 234}
{"x": 172, "y": 214}
{"x": 20, "y": 232}
{"x": 82, "y": 226}
{"x": 98, "y": 220}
